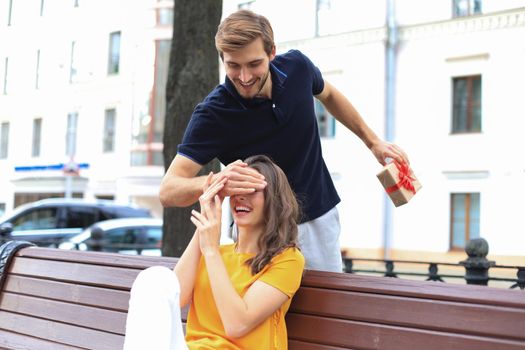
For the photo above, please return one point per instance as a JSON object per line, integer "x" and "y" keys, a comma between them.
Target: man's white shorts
{"x": 319, "y": 242}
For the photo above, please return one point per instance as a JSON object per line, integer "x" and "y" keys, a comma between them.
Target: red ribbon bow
{"x": 405, "y": 180}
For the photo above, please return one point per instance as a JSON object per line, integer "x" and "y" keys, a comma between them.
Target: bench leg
{"x": 154, "y": 320}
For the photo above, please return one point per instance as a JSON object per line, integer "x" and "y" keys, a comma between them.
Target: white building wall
{"x": 89, "y": 25}
{"x": 433, "y": 49}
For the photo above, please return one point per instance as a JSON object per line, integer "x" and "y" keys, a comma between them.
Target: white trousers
{"x": 154, "y": 318}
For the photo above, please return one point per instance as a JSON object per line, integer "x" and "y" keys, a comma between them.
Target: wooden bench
{"x": 57, "y": 299}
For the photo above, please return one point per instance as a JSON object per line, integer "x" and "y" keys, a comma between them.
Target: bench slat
{"x": 9, "y": 340}
{"x": 99, "y": 258}
{"x": 299, "y": 345}
{"x": 60, "y": 333}
{"x": 361, "y": 335}
{"x": 77, "y": 315}
{"x": 402, "y": 287}
{"x": 121, "y": 278}
{"x": 73, "y": 293}
{"x": 413, "y": 312}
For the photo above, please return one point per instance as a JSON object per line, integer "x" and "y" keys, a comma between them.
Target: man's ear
{"x": 272, "y": 54}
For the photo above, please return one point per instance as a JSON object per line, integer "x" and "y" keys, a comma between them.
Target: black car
{"x": 48, "y": 222}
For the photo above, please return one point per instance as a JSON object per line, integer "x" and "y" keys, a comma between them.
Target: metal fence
{"x": 476, "y": 269}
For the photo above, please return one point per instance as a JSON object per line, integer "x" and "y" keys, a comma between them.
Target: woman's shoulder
{"x": 290, "y": 253}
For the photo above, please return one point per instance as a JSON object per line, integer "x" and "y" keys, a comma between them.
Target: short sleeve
{"x": 285, "y": 271}
{"x": 315, "y": 74}
{"x": 201, "y": 141}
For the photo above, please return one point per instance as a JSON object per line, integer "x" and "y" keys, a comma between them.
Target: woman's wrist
{"x": 210, "y": 252}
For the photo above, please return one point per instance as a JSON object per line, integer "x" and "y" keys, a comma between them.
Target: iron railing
{"x": 474, "y": 270}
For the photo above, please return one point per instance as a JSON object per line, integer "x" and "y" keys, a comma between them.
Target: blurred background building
{"x": 82, "y": 93}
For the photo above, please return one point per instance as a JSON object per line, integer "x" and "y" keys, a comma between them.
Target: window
{"x": 109, "y": 131}
{"x": 464, "y": 218}
{"x": 71, "y": 134}
{"x": 114, "y": 53}
{"x": 6, "y": 69}
{"x": 42, "y": 7}
{"x": 73, "y": 69}
{"x": 322, "y": 10}
{"x": 133, "y": 238}
{"x": 37, "y": 73}
{"x": 466, "y": 7}
{"x": 165, "y": 16}
{"x": 81, "y": 216}
{"x": 76, "y": 3}
{"x": 246, "y": 5}
{"x": 37, "y": 133}
{"x": 10, "y": 12}
{"x": 466, "y": 110}
{"x": 325, "y": 121}
{"x": 41, "y": 218}
{"x": 148, "y": 125}
{"x": 4, "y": 140}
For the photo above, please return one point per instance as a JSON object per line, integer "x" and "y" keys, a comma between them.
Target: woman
{"x": 239, "y": 293}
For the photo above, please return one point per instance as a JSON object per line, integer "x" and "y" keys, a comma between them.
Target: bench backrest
{"x": 57, "y": 299}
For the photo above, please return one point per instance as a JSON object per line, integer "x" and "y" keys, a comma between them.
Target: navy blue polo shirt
{"x": 229, "y": 127}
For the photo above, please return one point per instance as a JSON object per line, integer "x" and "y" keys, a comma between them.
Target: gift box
{"x": 399, "y": 182}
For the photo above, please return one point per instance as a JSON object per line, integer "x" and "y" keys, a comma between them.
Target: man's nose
{"x": 245, "y": 75}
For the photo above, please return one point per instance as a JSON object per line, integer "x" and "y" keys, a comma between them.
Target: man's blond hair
{"x": 240, "y": 29}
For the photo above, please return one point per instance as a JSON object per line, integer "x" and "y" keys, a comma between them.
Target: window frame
{"x": 6, "y": 72}
{"x": 471, "y": 8}
{"x": 4, "y": 140}
{"x": 37, "y": 70}
{"x": 471, "y": 106}
{"x": 71, "y": 133}
{"x": 108, "y": 138}
{"x": 10, "y": 14}
{"x": 73, "y": 71}
{"x": 467, "y": 220}
{"x": 36, "y": 140}
{"x": 114, "y": 53}
{"x": 327, "y": 127}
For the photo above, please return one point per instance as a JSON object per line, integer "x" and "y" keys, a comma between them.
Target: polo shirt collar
{"x": 278, "y": 81}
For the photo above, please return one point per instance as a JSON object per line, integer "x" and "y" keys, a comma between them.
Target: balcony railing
{"x": 474, "y": 270}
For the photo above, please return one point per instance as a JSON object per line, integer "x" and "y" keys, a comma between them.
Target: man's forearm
{"x": 343, "y": 110}
{"x": 176, "y": 191}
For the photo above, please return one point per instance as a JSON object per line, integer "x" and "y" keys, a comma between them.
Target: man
{"x": 265, "y": 106}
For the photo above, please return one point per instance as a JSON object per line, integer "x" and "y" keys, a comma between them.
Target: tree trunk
{"x": 193, "y": 73}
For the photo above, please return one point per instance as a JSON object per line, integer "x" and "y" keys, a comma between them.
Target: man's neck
{"x": 266, "y": 89}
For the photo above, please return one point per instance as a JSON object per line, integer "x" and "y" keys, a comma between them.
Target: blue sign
{"x": 59, "y": 166}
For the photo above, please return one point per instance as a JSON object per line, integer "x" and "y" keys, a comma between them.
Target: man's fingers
{"x": 232, "y": 184}
{"x": 208, "y": 181}
{"x": 243, "y": 172}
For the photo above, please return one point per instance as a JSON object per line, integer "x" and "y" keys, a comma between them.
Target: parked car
{"x": 49, "y": 221}
{"x": 142, "y": 236}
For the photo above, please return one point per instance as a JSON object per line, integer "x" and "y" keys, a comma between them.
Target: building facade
{"x": 456, "y": 111}
{"x": 82, "y": 93}
{"x": 81, "y": 110}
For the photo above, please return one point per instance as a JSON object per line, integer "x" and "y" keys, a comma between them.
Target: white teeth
{"x": 245, "y": 209}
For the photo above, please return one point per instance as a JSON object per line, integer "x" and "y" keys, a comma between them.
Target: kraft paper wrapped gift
{"x": 399, "y": 182}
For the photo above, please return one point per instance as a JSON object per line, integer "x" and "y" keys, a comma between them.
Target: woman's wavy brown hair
{"x": 241, "y": 28}
{"x": 281, "y": 211}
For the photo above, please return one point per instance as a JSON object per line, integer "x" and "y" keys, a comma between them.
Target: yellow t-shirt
{"x": 204, "y": 329}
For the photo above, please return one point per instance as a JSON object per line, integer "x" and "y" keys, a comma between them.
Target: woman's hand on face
{"x": 208, "y": 221}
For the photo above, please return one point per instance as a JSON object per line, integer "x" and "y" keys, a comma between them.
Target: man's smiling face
{"x": 249, "y": 69}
